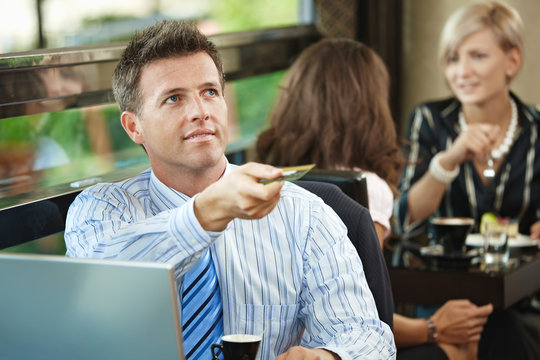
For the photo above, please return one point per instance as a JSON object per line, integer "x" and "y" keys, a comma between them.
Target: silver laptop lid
{"x": 54, "y": 307}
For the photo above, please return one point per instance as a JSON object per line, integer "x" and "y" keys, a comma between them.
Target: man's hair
{"x": 165, "y": 39}
{"x": 503, "y": 20}
{"x": 333, "y": 111}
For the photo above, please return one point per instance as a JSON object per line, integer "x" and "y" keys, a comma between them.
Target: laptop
{"x": 55, "y": 307}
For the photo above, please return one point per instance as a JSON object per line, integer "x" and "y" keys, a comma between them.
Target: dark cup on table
{"x": 452, "y": 232}
{"x": 237, "y": 347}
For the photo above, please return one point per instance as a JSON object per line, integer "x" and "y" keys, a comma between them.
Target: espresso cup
{"x": 452, "y": 232}
{"x": 237, "y": 347}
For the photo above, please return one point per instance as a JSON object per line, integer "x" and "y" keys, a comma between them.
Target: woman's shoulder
{"x": 439, "y": 108}
{"x": 531, "y": 112}
{"x": 381, "y": 199}
{"x": 379, "y": 186}
{"x": 435, "y": 115}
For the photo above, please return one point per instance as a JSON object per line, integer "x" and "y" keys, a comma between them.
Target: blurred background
{"x": 30, "y": 24}
{"x": 45, "y": 144}
{"x": 38, "y": 24}
{"x": 48, "y": 146}
{"x": 33, "y": 24}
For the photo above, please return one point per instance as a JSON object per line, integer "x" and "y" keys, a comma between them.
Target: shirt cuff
{"x": 186, "y": 227}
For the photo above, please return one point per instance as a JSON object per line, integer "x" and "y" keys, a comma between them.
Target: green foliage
{"x": 20, "y": 61}
{"x": 119, "y": 138}
{"x": 19, "y": 130}
{"x": 67, "y": 128}
{"x": 241, "y": 15}
{"x": 256, "y": 96}
{"x": 52, "y": 245}
{"x": 103, "y": 19}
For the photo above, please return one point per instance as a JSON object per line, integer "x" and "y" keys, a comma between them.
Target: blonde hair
{"x": 503, "y": 20}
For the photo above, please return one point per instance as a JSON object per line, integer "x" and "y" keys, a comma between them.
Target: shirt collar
{"x": 165, "y": 197}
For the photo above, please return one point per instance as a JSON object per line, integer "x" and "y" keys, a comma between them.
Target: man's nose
{"x": 198, "y": 110}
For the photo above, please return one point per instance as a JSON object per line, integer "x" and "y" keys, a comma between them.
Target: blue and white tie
{"x": 202, "y": 309}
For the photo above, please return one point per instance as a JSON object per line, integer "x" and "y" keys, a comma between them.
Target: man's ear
{"x": 131, "y": 124}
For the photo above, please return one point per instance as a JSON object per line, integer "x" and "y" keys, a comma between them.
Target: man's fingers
{"x": 485, "y": 310}
{"x": 260, "y": 209}
{"x": 261, "y": 171}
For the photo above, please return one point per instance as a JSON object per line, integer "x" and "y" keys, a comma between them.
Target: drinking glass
{"x": 496, "y": 250}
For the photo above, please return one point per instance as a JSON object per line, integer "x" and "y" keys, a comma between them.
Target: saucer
{"x": 522, "y": 241}
{"x": 435, "y": 254}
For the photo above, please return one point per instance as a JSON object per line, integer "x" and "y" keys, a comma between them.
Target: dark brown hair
{"x": 333, "y": 111}
{"x": 165, "y": 39}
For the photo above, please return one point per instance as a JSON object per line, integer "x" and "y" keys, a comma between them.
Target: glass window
{"x": 59, "y": 130}
{"x": 58, "y": 147}
{"x": 78, "y": 22}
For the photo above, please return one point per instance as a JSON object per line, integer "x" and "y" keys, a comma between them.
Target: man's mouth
{"x": 199, "y": 135}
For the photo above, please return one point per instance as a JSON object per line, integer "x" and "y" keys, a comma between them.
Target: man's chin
{"x": 207, "y": 162}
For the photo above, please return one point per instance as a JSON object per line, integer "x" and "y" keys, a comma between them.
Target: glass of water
{"x": 496, "y": 250}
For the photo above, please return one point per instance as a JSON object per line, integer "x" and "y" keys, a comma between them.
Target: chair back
{"x": 361, "y": 232}
{"x": 351, "y": 182}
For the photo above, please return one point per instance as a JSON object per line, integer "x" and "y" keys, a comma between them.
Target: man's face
{"x": 183, "y": 120}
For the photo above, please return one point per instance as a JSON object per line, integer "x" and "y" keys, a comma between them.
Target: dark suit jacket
{"x": 362, "y": 233}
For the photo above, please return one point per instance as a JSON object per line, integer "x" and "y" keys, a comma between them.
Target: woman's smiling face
{"x": 480, "y": 70}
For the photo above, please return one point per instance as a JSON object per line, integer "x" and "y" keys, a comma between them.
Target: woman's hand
{"x": 535, "y": 231}
{"x": 460, "y": 321}
{"x": 475, "y": 143}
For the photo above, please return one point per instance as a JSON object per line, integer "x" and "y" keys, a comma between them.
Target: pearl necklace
{"x": 508, "y": 138}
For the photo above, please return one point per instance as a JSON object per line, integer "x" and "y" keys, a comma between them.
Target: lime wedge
{"x": 487, "y": 218}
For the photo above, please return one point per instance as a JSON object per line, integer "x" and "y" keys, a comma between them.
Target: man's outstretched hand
{"x": 239, "y": 194}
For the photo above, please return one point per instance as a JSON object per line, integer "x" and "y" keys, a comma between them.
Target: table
{"x": 435, "y": 286}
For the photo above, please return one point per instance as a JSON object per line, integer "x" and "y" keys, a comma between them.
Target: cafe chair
{"x": 361, "y": 232}
{"x": 351, "y": 182}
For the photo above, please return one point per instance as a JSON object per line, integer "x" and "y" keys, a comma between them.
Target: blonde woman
{"x": 478, "y": 151}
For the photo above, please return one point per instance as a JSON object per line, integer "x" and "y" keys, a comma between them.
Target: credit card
{"x": 291, "y": 173}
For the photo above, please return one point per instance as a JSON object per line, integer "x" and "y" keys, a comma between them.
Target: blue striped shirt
{"x": 293, "y": 273}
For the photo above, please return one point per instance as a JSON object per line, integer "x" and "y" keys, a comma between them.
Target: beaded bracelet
{"x": 432, "y": 331}
{"x": 440, "y": 173}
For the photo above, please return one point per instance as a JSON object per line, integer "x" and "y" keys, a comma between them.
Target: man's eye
{"x": 211, "y": 92}
{"x": 479, "y": 56}
{"x": 172, "y": 99}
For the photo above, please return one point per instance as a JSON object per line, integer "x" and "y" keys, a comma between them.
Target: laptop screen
{"x": 54, "y": 307}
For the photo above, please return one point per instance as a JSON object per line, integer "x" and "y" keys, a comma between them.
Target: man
{"x": 283, "y": 261}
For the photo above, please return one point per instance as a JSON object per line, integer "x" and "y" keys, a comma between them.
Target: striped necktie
{"x": 202, "y": 310}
